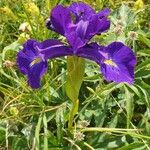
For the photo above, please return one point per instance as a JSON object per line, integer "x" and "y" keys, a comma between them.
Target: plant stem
{"x": 73, "y": 111}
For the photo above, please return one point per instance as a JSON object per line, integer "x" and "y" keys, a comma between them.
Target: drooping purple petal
{"x": 28, "y": 48}
{"x": 60, "y": 19}
{"x": 121, "y": 53}
{"x": 120, "y": 63}
{"x": 26, "y": 55}
{"x": 30, "y": 63}
{"x": 35, "y": 73}
{"x": 32, "y": 59}
{"x": 23, "y": 62}
{"x": 118, "y": 74}
{"x": 117, "y": 61}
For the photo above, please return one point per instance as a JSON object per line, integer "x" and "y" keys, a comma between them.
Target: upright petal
{"x": 97, "y": 26}
{"x": 77, "y": 36}
{"x": 60, "y": 19}
{"x": 81, "y": 11}
{"x": 79, "y": 30}
{"x": 81, "y": 33}
{"x": 103, "y": 13}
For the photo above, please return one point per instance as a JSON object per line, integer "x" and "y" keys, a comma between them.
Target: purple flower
{"x": 32, "y": 59}
{"x": 117, "y": 61}
{"x": 78, "y": 23}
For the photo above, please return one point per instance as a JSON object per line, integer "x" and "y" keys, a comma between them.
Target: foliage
{"x": 37, "y": 119}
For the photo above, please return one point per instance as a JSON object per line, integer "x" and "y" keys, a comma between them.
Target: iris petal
{"x": 23, "y": 62}
{"x": 50, "y": 49}
{"x": 26, "y": 55}
{"x": 91, "y": 51}
{"x": 60, "y": 19}
{"x": 117, "y": 74}
{"x": 103, "y": 13}
{"x": 125, "y": 61}
{"x": 77, "y": 36}
{"x": 35, "y": 73}
{"x": 81, "y": 11}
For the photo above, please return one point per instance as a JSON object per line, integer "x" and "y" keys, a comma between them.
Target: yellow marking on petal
{"x": 110, "y": 62}
{"x": 35, "y": 61}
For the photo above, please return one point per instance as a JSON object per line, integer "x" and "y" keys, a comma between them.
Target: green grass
{"x": 118, "y": 114}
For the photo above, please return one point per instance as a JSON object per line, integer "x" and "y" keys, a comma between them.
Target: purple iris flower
{"x": 78, "y": 23}
{"x": 117, "y": 61}
{"x": 32, "y": 59}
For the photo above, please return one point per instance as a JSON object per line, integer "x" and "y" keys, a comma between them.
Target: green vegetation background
{"x": 37, "y": 119}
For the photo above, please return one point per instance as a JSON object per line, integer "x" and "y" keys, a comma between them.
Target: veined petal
{"x": 28, "y": 48}
{"x": 26, "y": 55}
{"x": 23, "y": 62}
{"x": 81, "y": 11}
{"x": 77, "y": 36}
{"x": 50, "y": 49}
{"x": 35, "y": 73}
{"x": 119, "y": 73}
{"x": 83, "y": 31}
{"x": 87, "y": 23}
{"x": 119, "y": 64}
{"x": 31, "y": 64}
{"x": 121, "y": 53}
{"x": 97, "y": 26}
{"x": 60, "y": 19}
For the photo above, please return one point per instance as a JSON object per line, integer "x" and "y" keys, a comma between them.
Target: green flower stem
{"x": 73, "y": 111}
{"x": 75, "y": 69}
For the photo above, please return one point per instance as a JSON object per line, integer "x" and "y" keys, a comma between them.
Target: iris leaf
{"x": 76, "y": 67}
